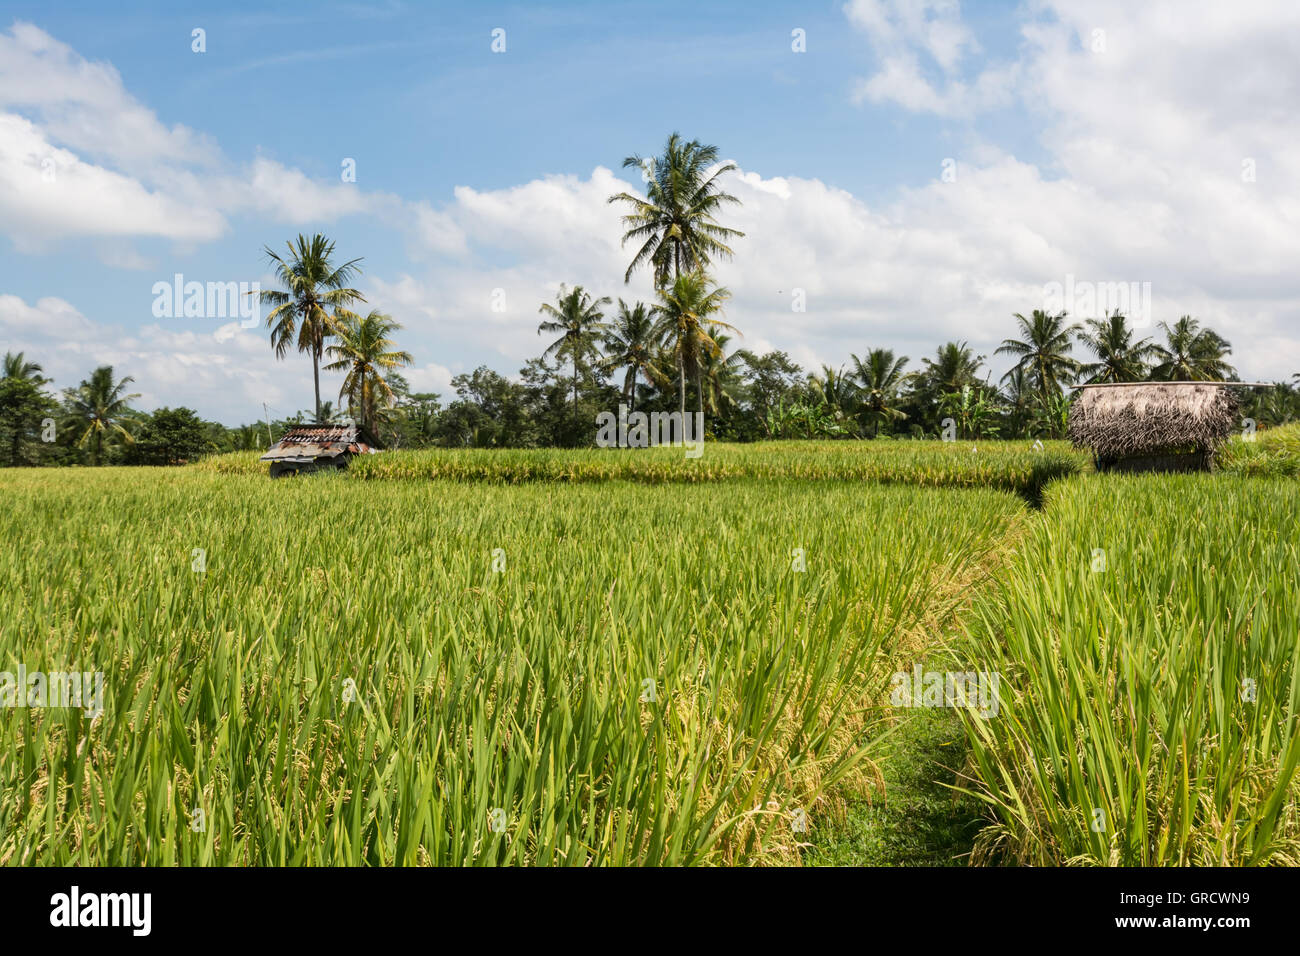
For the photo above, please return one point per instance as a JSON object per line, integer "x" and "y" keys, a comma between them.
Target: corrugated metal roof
{"x": 319, "y": 434}
{"x": 307, "y": 443}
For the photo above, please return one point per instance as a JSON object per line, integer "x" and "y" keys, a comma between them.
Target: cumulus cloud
{"x": 946, "y": 260}
{"x": 85, "y": 105}
{"x": 221, "y": 370}
{"x": 920, "y": 46}
{"x": 81, "y": 157}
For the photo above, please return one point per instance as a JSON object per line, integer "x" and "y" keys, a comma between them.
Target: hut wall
{"x": 1188, "y": 461}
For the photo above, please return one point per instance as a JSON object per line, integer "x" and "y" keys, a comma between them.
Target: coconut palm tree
{"x": 630, "y": 344}
{"x": 102, "y": 406}
{"x": 17, "y": 367}
{"x": 834, "y": 389}
{"x": 719, "y": 371}
{"x": 1119, "y": 358}
{"x": 305, "y": 308}
{"x": 1044, "y": 352}
{"x": 578, "y": 319}
{"x": 673, "y": 225}
{"x": 687, "y": 323}
{"x": 366, "y": 352}
{"x": 1018, "y": 397}
{"x": 952, "y": 367}
{"x": 879, "y": 376}
{"x": 1191, "y": 354}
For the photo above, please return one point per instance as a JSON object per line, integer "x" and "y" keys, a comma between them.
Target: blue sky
{"x": 476, "y": 171}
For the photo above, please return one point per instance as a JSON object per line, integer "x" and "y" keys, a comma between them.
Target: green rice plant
{"x": 1275, "y": 451}
{"x": 1010, "y": 466}
{"x": 1146, "y": 634}
{"x": 344, "y": 672}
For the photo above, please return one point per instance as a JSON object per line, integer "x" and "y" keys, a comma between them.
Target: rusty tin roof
{"x": 307, "y": 443}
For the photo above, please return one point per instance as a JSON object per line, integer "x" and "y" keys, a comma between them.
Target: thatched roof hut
{"x": 1154, "y": 426}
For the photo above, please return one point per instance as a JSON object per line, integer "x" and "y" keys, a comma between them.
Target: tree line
{"x": 649, "y": 356}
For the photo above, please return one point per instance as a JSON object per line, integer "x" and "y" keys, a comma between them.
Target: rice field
{"x": 1148, "y": 635}
{"x": 444, "y": 673}
{"x": 612, "y": 658}
{"x": 1007, "y": 465}
{"x": 1275, "y": 451}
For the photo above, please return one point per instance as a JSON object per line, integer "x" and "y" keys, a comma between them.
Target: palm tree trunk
{"x": 681, "y": 388}
{"x": 315, "y": 374}
{"x": 681, "y": 358}
{"x": 576, "y": 425}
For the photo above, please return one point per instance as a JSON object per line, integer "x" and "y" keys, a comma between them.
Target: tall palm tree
{"x": 578, "y": 319}
{"x": 102, "y": 406}
{"x": 687, "y": 323}
{"x": 674, "y": 225}
{"x": 1191, "y": 354}
{"x": 16, "y": 366}
{"x": 880, "y": 377}
{"x": 630, "y": 344}
{"x": 1119, "y": 358}
{"x": 366, "y": 351}
{"x": 314, "y": 290}
{"x": 1044, "y": 352}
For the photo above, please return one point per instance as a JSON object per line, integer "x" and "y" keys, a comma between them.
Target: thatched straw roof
{"x": 1152, "y": 418}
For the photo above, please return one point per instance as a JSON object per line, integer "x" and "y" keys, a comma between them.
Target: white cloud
{"x": 933, "y": 26}
{"x": 79, "y": 156}
{"x": 911, "y": 38}
{"x": 289, "y": 195}
{"x": 431, "y": 378}
{"x": 48, "y": 318}
{"x": 1149, "y": 113}
{"x": 48, "y": 193}
{"x": 948, "y": 260}
{"x": 223, "y": 371}
{"x": 85, "y": 106}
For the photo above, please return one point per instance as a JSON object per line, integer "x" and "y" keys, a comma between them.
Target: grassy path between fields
{"x": 921, "y": 820}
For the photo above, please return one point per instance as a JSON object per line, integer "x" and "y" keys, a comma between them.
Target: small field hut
{"x": 309, "y": 448}
{"x": 1154, "y": 426}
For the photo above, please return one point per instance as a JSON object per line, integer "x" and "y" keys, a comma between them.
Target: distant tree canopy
{"x": 170, "y": 436}
{"x": 747, "y": 396}
{"x": 25, "y": 412}
{"x": 677, "y": 352}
